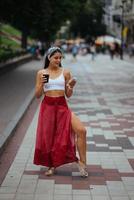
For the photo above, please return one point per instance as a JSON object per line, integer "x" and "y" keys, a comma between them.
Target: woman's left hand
{"x": 71, "y": 83}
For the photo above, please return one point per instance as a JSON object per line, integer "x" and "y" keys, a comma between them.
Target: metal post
{"x": 122, "y": 28}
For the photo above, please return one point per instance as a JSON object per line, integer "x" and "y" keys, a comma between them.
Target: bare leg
{"x": 80, "y": 132}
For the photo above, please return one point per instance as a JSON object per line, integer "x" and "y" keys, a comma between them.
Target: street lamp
{"x": 122, "y": 28}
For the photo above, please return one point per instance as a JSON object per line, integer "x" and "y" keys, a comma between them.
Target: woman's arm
{"x": 68, "y": 85}
{"x": 39, "y": 84}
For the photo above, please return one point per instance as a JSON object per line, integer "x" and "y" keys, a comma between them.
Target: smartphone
{"x": 74, "y": 78}
{"x": 73, "y": 81}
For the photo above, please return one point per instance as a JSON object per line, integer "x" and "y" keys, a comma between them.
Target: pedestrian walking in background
{"x": 59, "y": 129}
{"x": 75, "y": 49}
{"x": 93, "y": 51}
{"x": 112, "y": 50}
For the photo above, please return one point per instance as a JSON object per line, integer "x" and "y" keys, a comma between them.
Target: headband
{"x": 51, "y": 50}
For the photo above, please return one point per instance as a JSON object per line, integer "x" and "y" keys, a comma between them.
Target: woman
{"x": 57, "y": 125}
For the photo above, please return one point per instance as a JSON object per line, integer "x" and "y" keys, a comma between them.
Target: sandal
{"x": 82, "y": 169}
{"x": 50, "y": 171}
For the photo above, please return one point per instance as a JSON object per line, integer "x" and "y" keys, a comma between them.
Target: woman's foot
{"x": 50, "y": 171}
{"x": 82, "y": 169}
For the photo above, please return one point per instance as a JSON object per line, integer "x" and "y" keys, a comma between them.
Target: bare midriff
{"x": 55, "y": 93}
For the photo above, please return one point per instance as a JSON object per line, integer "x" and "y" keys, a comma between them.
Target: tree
{"x": 41, "y": 18}
{"x": 88, "y": 22}
{"x": 50, "y": 22}
{"x": 19, "y": 14}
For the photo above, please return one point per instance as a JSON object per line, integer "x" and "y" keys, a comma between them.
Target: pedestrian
{"x": 75, "y": 50}
{"x": 59, "y": 130}
{"x": 112, "y": 50}
{"x": 93, "y": 51}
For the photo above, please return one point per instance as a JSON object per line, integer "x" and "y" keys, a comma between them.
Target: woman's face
{"x": 55, "y": 59}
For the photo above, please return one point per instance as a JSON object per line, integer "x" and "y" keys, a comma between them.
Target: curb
{"x": 15, "y": 62}
{"x": 9, "y": 130}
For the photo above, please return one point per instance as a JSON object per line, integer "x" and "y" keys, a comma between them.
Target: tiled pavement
{"x": 104, "y": 101}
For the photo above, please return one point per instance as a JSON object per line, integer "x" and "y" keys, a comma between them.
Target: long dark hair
{"x": 51, "y": 51}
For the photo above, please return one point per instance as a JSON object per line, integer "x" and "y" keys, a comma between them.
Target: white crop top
{"x": 55, "y": 84}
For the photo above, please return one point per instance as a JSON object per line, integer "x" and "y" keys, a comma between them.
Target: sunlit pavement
{"x": 104, "y": 101}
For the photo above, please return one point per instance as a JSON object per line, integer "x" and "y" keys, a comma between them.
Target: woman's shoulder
{"x": 66, "y": 71}
{"x": 67, "y": 74}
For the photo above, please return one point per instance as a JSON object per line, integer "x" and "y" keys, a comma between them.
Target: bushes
{"x": 7, "y": 53}
{"x": 10, "y": 43}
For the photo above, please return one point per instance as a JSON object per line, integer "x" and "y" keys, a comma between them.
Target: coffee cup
{"x": 46, "y": 76}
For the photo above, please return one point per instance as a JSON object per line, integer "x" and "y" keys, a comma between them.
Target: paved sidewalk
{"x": 104, "y": 101}
{"x": 128, "y": 58}
{"x": 17, "y": 92}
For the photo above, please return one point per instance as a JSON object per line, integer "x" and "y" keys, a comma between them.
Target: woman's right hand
{"x": 43, "y": 78}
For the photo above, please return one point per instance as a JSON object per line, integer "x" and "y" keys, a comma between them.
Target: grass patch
{"x": 10, "y": 42}
{"x": 10, "y": 30}
{"x": 6, "y": 42}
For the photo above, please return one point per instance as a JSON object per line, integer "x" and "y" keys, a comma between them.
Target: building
{"x": 119, "y": 19}
{"x": 129, "y": 21}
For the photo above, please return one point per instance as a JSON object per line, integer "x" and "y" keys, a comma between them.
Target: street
{"x": 104, "y": 101}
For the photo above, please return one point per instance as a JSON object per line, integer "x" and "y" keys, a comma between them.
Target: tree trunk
{"x": 24, "y": 38}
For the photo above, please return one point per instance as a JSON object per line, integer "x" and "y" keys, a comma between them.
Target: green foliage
{"x": 10, "y": 47}
{"x": 5, "y": 41}
{"x": 8, "y": 53}
{"x": 41, "y": 18}
{"x": 88, "y": 22}
{"x": 11, "y": 36}
{"x": 51, "y": 15}
{"x": 10, "y": 29}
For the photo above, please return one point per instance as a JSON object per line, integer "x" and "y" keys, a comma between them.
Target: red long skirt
{"x": 55, "y": 140}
